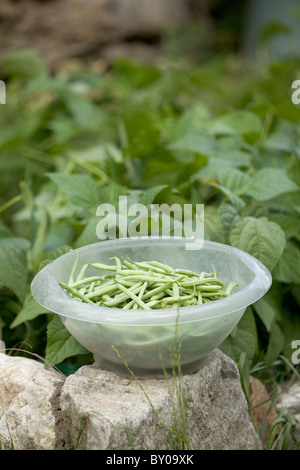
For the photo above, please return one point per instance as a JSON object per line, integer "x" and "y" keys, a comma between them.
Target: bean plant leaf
{"x": 268, "y": 183}
{"x": 229, "y": 217}
{"x": 237, "y": 122}
{"x": 199, "y": 143}
{"x": 212, "y": 224}
{"x": 13, "y": 265}
{"x": 148, "y": 196}
{"x": 24, "y": 64}
{"x": 266, "y": 310}
{"x": 235, "y": 200}
{"x": 287, "y": 269}
{"x": 52, "y": 255}
{"x": 260, "y": 238}
{"x": 233, "y": 179}
{"x": 60, "y": 343}
{"x": 289, "y": 224}
{"x": 81, "y": 190}
{"x": 30, "y": 310}
{"x": 276, "y": 344}
{"x": 243, "y": 338}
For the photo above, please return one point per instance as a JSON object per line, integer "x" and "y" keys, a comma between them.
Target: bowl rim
{"x": 57, "y": 300}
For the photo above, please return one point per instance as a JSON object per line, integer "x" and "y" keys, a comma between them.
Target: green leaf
{"x": 276, "y": 344}
{"x": 291, "y": 331}
{"x": 81, "y": 190}
{"x": 60, "y": 343}
{"x": 31, "y": 309}
{"x": 268, "y": 183}
{"x": 24, "y": 64}
{"x": 52, "y": 255}
{"x": 288, "y": 203}
{"x": 289, "y": 224}
{"x": 229, "y": 217}
{"x": 85, "y": 113}
{"x": 13, "y": 265}
{"x": 142, "y": 133}
{"x": 235, "y": 158}
{"x": 233, "y": 179}
{"x": 88, "y": 235}
{"x": 137, "y": 74}
{"x": 235, "y": 200}
{"x": 260, "y": 238}
{"x": 212, "y": 224}
{"x": 273, "y": 29}
{"x": 237, "y": 122}
{"x": 242, "y": 339}
{"x": 200, "y": 143}
{"x": 287, "y": 269}
{"x": 284, "y": 138}
{"x": 148, "y": 196}
{"x": 266, "y": 310}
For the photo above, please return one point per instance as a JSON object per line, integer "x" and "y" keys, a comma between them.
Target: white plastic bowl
{"x": 147, "y": 339}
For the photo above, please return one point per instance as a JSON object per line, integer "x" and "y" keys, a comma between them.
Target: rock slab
{"x": 30, "y": 416}
{"x": 289, "y": 402}
{"x": 81, "y": 28}
{"x": 93, "y": 409}
{"x": 206, "y": 410}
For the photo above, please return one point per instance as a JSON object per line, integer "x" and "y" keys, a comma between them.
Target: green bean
{"x": 71, "y": 278}
{"x": 152, "y": 268}
{"x": 144, "y": 284}
{"x": 128, "y": 264}
{"x": 148, "y": 278}
{"x": 141, "y": 293}
{"x": 75, "y": 293}
{"x": 165, "y": 267}
{"x": 132, "y": 296}
{"x": 177, "y": 298}
{"x": 202, "y": 282}
{"x": 85, "y": 281}
{"x": 155, "y": 291}
{"x": 230, "y": 287}
{"x": 108, "y": 287}
{"x": 129, "y": 305}
{"x": 124, "y": 296}
{"x": 105, "y": 267}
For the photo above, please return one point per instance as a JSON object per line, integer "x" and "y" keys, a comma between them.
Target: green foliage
{"x": 224, "y": 134}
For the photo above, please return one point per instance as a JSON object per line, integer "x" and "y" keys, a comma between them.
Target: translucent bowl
{"x": 151, "y": 342}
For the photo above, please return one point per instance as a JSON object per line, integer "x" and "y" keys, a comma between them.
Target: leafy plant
{"x": 224, "y": 134}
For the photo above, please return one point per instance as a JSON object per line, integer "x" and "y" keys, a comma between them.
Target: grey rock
{"x": 76, "y": 28}
{"x": 30, "y": 415}
{"x": 289, "y": 402}
{"x": 110, "y": 412}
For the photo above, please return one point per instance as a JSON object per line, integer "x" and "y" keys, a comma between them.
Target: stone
{"x": 30, "y": 415}
{"x": 260, "y": 401}
{"x": 289, "y": 402}
{"x": 81, "y": 28}
{"x": 111, "y": 412}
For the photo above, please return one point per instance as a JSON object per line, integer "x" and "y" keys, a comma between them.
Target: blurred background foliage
{"x": 206, "y": 117}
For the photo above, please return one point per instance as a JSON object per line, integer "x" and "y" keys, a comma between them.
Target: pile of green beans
{"x": 144, "y": 285}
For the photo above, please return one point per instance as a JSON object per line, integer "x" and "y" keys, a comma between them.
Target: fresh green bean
{"x": 75, "y": 293}
{"x": 145, "y": 285}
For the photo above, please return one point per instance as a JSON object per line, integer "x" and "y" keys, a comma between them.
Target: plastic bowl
{"x": 148, "y": 340}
